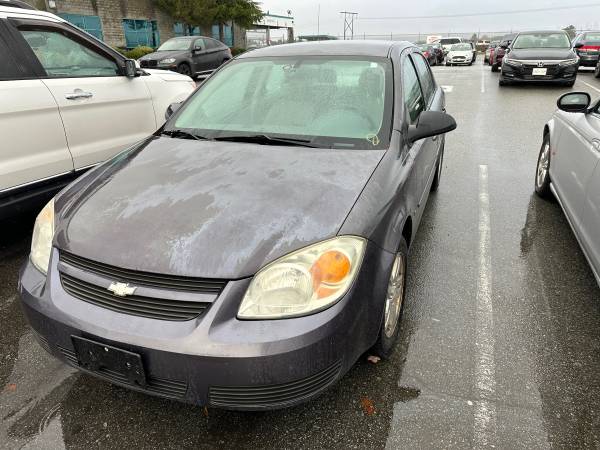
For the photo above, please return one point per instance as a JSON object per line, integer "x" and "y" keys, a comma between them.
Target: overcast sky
{"x": 305, "y": 13}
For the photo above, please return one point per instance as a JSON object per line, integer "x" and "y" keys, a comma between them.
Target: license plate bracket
{"x": 539, "y": 72}
{"x": 95, "y": 356}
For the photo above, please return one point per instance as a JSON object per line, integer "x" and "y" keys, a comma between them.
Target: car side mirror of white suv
{"x": 131, "y": 70}
{"x": 575, "y": 102}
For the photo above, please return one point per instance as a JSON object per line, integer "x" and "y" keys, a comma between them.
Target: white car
{"x": 568, "y": 169}
{"x": 448, "y": 42}
{"x": 68, "y": 102}
{"x": 460, "y": 54}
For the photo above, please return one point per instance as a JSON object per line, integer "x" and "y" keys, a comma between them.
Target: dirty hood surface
{"x": 211, "y": 209}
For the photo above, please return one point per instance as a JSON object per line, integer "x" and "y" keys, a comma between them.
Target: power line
{"x": 519, "y": 11}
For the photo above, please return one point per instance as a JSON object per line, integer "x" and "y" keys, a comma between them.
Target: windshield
{"x": 542, "y": 40}
{"x": 461, "y": 47}
{"x": 175, "y": 44}
{"x": 448, "y": 41}
{"x": 331, "y": 101}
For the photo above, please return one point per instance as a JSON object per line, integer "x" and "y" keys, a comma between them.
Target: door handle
{"x": 596, "y": 145}
{"x": 77, "y": 94}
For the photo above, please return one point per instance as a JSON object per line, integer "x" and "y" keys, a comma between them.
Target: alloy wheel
{"x": 395, "y": 295}
{"x": 543, "y": 166}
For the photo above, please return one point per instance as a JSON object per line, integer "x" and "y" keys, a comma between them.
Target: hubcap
{"x": 543, "y": 164}
{"x": 395, "y": 295}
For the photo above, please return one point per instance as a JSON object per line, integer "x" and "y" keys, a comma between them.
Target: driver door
{"x": 103, "y": 111}
{"x": 199, "y": 56}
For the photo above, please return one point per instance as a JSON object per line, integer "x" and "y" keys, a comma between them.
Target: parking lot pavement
{"x": 500, "y": 341}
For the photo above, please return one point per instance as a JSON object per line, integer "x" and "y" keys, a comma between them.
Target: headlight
{"x": 43, "y": 232}
{"x": 569, "y": 62}
{"x": 304, "y": 282}
{"x": 167, "y": 61}
{"x": 512, "y": 62}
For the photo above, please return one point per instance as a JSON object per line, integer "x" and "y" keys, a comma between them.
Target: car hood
{"x": 210, "y": 209}
{"x": 460, "y": 53}
{"x": 542, "y": 53}
{"x": 157, "y": 56}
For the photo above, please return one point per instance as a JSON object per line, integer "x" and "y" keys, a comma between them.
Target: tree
{"x": 244, "y": 13}
{"x": 205, "y": 13}
{"x": 571, "y": 31}
{"x": 191, "y": 13}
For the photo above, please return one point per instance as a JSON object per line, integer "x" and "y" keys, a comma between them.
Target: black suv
{"x": 540, "y": 56}
{"x": 189, "y": 55}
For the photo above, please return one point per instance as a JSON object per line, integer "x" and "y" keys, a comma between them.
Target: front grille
{"x": 273, "y": 396}
{"x": 160, "y": 386}
{"x": 152, "y": 280}
{"x": 136, "y": 305}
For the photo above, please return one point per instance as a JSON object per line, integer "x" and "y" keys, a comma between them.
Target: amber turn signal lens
{"x": 331, "y": 268}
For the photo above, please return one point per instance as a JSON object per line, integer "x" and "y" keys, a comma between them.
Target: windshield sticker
{"x": 373, "y": 139}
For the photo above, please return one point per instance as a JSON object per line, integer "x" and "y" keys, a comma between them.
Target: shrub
{"x": 237, "y": 51}
{"x": 138, "y": 52}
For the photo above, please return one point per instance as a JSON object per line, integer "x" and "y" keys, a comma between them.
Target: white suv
{"x": 67, "y": 102}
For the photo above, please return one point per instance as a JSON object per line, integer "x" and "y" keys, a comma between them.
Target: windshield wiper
{"x": 182, "y": 134}
{"x": 264, "y": 139}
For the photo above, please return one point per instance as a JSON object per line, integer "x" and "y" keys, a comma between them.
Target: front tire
{"x": 394, "y": 305}
{"x": 184, "y": 69}
{"x": 438, "y": 172}
{"x": 542, "y": 173}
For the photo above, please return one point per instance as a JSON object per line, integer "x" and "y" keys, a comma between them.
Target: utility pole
{"x": 349, "y": 23}
{"x": 319, "y": 21}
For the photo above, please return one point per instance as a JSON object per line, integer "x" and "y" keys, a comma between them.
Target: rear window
{"x": 592, "y": 38}
{"x": 449, "y": 41}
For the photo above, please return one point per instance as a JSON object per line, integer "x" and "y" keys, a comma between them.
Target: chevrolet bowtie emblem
{"x": 121, "y": 289}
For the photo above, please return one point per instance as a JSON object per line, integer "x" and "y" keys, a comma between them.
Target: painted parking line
{"x": 485, "y": 368}
{"x": 482, "y": 79}
{"x": 590, "y": 86}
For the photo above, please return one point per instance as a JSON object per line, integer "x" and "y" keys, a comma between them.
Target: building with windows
{"x": 129, "y": 23}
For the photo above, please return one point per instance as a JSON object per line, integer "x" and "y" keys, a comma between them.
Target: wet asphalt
{"x": 500, "y": 341}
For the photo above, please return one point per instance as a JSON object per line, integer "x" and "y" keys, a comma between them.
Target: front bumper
{"x": 460, "y": 60}
{"x": 555, "y": 73}
{"x": 217, "y": 360}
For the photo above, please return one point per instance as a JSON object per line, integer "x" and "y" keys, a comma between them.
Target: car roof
{"x": 542, "y": 32}
{"x": 22, "y": 13}
{"x": 331, "y": 48}
{"x": 189, "y": 38}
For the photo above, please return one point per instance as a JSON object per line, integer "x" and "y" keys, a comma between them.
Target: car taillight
{"x": 426, "y": 54}
{"x": 589, "y": 48}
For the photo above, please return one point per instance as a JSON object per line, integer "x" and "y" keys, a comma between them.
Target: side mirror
{"x": 172, "y": 109}
{"x": 574, "y": 102}
{"x": 130, "y": 68}
{"x": 431, "y": 123}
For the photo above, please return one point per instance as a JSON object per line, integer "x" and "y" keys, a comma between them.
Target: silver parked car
{"x": 569, "y": 168}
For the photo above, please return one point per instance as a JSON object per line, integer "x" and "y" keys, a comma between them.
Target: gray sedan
{"x": 568, "y": 168}
{"x": 247, "y": 254}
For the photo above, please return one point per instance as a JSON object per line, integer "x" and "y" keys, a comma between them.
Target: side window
{"x": 62, "y": 57}
{"x": 211, "y": 44}
{"x": 199, "y": 44}
{"x": 413, "y": 97}
{"x": 427, "y": 83}
{"x": 9, "y": 69}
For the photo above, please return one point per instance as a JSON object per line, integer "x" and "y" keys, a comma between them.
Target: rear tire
{"x": 542, "y": 173}
{"x": 394, "y": 305}
{"x": 447, "y": 64}
{"x": 495, "y": 67}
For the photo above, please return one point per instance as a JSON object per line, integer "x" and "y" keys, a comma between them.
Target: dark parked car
{"x": 247, "y": 254}
{"x": 500, "y": 51}
{"x": 429, "y": 53}
{"x": 189, "y": 55}
{"x": 439, "y": 52}
{"x": 540, "y": 56}
{"x": 474, "y": 47}
{"x": 587, "y": 47}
